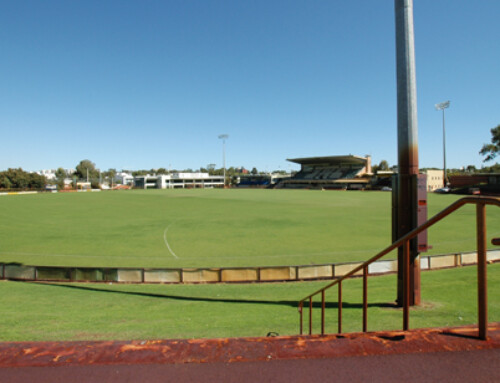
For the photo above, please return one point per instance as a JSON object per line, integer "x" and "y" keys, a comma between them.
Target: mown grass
{"x": 42, "y": 311}
{"x": 213, "y": 228}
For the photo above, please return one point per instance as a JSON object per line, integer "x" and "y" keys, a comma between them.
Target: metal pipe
{"x": 365, "y": 298}
{"x": 482, "y": 289}
{"x": 323, "y": 312}
{"x": 310, "y": 316}
{"x": 301, "y": 320}
{"x": 442, "y": 106}
{"x": 407, "y": 127}
{"x": 445, "y": 175}
{"x": 340, "y": 309}
{"x": 406, "y": 285}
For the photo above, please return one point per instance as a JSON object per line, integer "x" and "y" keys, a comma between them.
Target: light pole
{"x": 223, "y": 137}
{"x": 442, "y": 106}
{"x": 405, "y": 194}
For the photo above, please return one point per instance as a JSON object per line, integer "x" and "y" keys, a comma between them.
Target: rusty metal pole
{"x": 406, "y": 287}
{"x": 482, "y": 298}
{"x": 301, "y": 309}
{"x": 310, "y": 316}
{"x": 323, "y": 312}
{"x": 365, "y": 299}
{"x": 340, "y": 309}
{"x": 407, "y": 143}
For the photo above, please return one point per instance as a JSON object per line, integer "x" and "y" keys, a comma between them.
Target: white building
{"x": 50, "y": 174}
{"x": 124, "y": 178}
{"x": 178, "y": 180}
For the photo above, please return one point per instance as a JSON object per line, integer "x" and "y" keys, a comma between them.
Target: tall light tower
{"x": 406, "y": 205}
{"x": 442, "y": 106}
{"x": 223, "y": 137}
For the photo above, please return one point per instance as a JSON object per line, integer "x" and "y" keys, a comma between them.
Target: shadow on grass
{"x": 345, "y": 305}
{"x": 473, "y": 335}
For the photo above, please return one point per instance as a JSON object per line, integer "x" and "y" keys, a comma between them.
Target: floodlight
{"x": 224, "y": 137}
{"x": 442, "y": 105}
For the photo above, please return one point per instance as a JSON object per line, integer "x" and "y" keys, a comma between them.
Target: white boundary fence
{"x": 14, "y": 271}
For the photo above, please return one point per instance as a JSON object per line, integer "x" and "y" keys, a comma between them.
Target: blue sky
{"x": 149, "y": 84}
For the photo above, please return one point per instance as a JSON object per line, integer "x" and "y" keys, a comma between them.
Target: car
{"x": 444, "y": 190}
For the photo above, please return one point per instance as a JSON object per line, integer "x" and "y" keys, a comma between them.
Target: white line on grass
{"x": 166, "y": 241}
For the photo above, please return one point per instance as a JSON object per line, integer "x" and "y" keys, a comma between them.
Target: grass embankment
{"x": 213, "y": 228}
{"x": 36, "y": 311}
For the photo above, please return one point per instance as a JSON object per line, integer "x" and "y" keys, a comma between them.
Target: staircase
{"x": 404, "y": 242}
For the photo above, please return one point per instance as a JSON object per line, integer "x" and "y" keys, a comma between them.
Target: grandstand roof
{"x": 349, "y": 159}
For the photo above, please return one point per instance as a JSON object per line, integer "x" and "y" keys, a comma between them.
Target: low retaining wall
{"x": 13, "y": 271}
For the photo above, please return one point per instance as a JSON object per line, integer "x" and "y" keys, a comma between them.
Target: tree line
{"x": 18, "y": 179}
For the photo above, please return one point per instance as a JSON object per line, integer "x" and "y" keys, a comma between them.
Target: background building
{"x": 260, "y": 180}
{"x": 435, "y": 179}
{"x": 333, "y": 172}
{"x": 178, "y": 180}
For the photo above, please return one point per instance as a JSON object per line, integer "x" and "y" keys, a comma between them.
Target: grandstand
{"x": 333, "y": 172}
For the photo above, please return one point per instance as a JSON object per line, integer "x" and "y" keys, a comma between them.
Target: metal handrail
{"x": 480, "y": 203}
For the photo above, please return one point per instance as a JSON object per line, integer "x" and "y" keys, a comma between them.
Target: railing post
{"x": 365, "y": 298}
{"x": 301, "y": 307}
{"x": 406, "y": 285}
{"x": 310, "y": 315}
{"x": 482, "y": 299}
{"x": 340, "y": 309}
{"x": 323, "y": 312}
{"x": 404, "y": 245}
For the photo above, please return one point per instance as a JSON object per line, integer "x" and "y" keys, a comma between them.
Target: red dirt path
{"x": 421, "y": 355}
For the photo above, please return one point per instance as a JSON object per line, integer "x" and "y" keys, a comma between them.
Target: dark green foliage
{"x": 492, "y": 150}
{"x": 18, "y": 179}
{"x": 382, "y": 166}
{"x": 60, "y": 176}
{"x": 85, "y": 169}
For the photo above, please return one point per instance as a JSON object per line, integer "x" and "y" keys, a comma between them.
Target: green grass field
{"x": 38, "y": 311}
{"x": 213, "y": 228}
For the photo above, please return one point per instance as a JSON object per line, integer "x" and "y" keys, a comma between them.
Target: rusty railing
{"x": 404, "y": 241}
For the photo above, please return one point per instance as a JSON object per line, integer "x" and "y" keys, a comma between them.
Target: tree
{"x": 471, "y": 169}
{"x": 60, "y": 177}
{"x": 211, "y": 169}
{"x": 254, "y": 171}
{"x": 60, "y": 173}
{"x": 86, "y": 166}
{"x": 383, "y": 165}
{"x": 492, "y": 150}
{"x": 36, "y": 181}
{"x": 111, "y": 173}
{"x": 19, "y": 179}
{"x": 161, "y": 171}
{"x": 5, "y": 182}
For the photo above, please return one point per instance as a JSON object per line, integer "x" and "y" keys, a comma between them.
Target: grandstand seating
{"x": 330, "y": 172}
